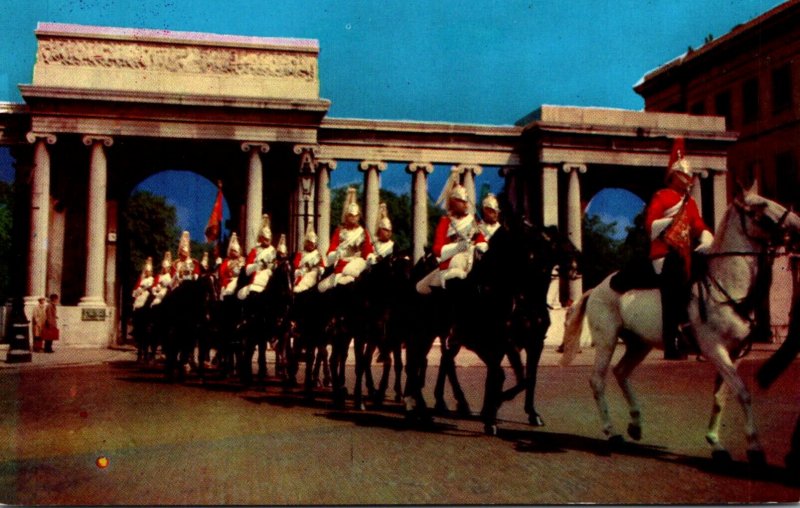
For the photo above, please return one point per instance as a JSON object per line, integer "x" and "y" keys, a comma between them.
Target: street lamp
{"x": 306, "y": 186}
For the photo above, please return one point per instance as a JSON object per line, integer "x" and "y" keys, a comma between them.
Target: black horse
{"x": 184, "y": 311}
{"x": 498, "y": 308}
{"x": 265, "y": 315}
{"x": 382, "y": 295}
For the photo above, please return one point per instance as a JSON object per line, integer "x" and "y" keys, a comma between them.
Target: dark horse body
{"x": 499, "y": 309}
{"x": 265, "y": 316}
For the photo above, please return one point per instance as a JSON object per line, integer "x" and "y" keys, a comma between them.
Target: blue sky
{"x": 486, "y": 62}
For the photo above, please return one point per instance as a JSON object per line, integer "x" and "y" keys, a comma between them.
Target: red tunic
{"x": 442, "y": 238}
{"x": 365, "y": 247}
{"x": 659, "y": 205}
{"x": 225, "y": 273}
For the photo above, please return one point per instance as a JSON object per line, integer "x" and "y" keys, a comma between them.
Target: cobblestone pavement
{"x": 216, "y": 443}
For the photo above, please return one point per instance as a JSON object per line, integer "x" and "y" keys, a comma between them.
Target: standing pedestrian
{"x": 37, "y": 324}
{"x": 50, "y": 331}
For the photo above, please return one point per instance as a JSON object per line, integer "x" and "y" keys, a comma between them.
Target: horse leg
{"x": 383, "y": 384}
{"x": 369, "y": 380}
{"x": 398, "y": 372}
{"x": 462, "y": 406}
{"x": 495, "y": 376}
{"x": 362, "y": 364}
{"x": 597, "y": 381}
{"x": 718, "y": 452}
{"x": 727, "y": 370}
{"x": 438, "y": 391}
{"x": 533, "y": 354}
{"x": 635, "y": 352}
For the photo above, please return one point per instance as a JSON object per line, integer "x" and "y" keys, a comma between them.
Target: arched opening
{"x": 152, "y": 217}
{"x": 613, "y": 233}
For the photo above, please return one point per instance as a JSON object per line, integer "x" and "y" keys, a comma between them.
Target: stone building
{"x": 751, "y": 77}
{"x": 109, "y": 107}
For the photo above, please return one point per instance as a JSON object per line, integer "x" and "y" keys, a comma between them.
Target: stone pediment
{"x": 166, "y": 62}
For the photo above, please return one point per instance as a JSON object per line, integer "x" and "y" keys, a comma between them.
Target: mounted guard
{"x": 230, "y": 267}
{"x": 490, "y": 211}
{"x": 308, "y": 264}
{"x": 675, "y": 227}
{"x": 185, "y": 268}
{"x": 384, "y": 245}
{"x": 142, "y": 291}
{"x": 163, "y": 281}
{"x": 456, "y": 239}
{"x": 259, "y": 261}
{"x": 350, "y": 246}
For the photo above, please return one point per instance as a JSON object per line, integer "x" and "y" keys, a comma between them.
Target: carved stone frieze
{"x": 186, "y": 59}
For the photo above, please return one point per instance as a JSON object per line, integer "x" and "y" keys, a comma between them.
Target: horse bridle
{"x": 766, "y": 256}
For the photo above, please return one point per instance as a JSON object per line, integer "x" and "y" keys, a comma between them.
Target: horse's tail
{"x": 573, "y": 328}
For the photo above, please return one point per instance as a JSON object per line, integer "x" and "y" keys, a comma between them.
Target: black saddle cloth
{"x": 636, "y": 275}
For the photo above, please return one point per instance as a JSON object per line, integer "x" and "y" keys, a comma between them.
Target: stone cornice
{"x": 37, "y": 92}
{"x": 71, "y": 31}
{"x": 419, "y": 127}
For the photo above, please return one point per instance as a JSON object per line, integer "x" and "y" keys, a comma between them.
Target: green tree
{"x": 603, "y": 254}
{"x": 150, "y": 226}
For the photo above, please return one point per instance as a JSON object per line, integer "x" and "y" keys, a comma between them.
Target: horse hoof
{"x": 535, "y": 420}
{"x": 635, "y": 432}
{"x": 721, "y": 456}
{"x": 490, "y": 430}
{"x": 757, "y": 458}
{"x": 360, "y": 406}
{"x": 463, "y": 409}
{"x": 441, "y": 407}
{"x": 616, "y": 441}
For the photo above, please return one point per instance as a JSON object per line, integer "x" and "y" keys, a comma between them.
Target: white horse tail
{"x": 573, "y": 328}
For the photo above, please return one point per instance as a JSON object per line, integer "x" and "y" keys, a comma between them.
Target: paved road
{"x": 218, "y": 444}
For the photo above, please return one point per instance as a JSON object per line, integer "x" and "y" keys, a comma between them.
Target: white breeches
{"x": 260, "y": 281}
{"x": 308, "y": 281}
{"x": 459, "y": 267}
{"x": 351, "y": 271}
{"x": 229, "y": 288}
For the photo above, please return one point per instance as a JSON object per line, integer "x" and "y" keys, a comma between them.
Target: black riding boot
{"x": 674, "y": 300}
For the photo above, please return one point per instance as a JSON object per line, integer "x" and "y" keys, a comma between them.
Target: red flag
{"x": 678, "y": 152}
{"x": 215, "y": 220}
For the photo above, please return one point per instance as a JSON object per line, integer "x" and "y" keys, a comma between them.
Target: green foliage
{"x": 151, "y": 230}
{"x": 603, "y": 254}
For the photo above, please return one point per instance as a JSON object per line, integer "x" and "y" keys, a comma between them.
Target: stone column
{"x": 697, "y": 189}
{"x": 549, "y": 196}
{"x": 323, "y": 203}
{"x": 574, "y": 223}
{"x": 304, "y": 195}
{"x": 94, "y": 295}
{"x": 372, "y": 185}
{"x": 55, "y": 254}
{"x": 255, "y": 192}
{"x": 469, "y": 172}
{"x": 550, "y": 218}
{"x": 40, "y": 211}
{"x": 419, "y": 203}
{"x": 720, "y": 192}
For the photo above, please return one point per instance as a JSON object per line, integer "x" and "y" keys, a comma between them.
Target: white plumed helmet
{"x": 350, "y": 204}
{"x": 265, "y": 232}
{"x": 490, "y": 201}
{"x": 383, "y": 218}
{"x": 233, "y": 246}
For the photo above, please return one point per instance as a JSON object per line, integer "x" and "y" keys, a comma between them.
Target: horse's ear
{"x": 739, "y": 190}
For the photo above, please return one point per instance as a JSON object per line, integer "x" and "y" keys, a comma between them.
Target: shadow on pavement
{"x": 533, "y": 441}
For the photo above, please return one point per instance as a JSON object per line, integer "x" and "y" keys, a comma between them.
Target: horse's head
{"x": 763, "y": 219}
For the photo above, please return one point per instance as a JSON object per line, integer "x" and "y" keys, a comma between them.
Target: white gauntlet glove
{"x": 706, "y": 239}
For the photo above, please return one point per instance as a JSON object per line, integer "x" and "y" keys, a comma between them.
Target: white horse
{"x": 635, "y": 316}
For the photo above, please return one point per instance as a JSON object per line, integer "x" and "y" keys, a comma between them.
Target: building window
{"x": 698, "y": 108}
{"x": 750, "y": 101}
{"x": 781, "y": 88}
{"x": 786, "y": 178}
{"x": 722, "y": 106}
